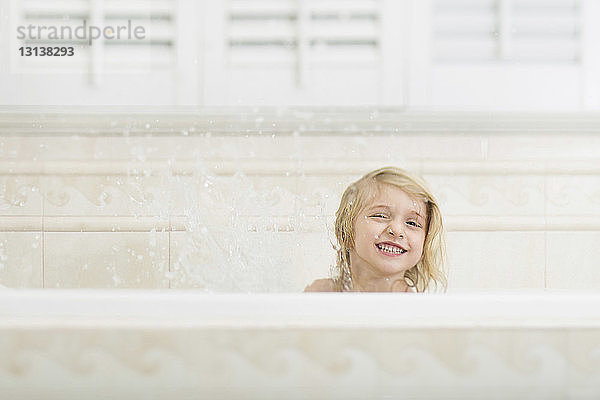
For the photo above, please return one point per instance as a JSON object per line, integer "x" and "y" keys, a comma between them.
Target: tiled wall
{"x": 244, "y": 202}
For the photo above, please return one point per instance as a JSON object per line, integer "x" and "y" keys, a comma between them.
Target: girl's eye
{"x": 413, "y": 223}
{"x": 379, "y": 216}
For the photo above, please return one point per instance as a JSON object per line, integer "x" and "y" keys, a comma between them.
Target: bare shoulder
{"x": 321, "y": 285}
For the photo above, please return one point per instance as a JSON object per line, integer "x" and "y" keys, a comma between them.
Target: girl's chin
{"x": 391, "y": 270}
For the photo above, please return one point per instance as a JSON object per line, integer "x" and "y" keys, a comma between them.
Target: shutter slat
{"x": 58, "y": 8}
{"x": 155, "y": 50}
{"x": 128, "y": 57}
{"x": 534, "y": 30}
{"x": 250, "y": 8}
{"x": 545, "y": 6}
{"x": 558, "y": 50}
{"x": 261, "y": 30}
{"x": 346, "y": 29}
{"x": 473, "y": 25}
{"x": 545, "y": 25}
{"x": 334, "y": 31}
{"x": 473, "y": 50}
{"x": 344, "y": 6}
{"x": 137, "y": 7}
{"x": 459, "y": 7}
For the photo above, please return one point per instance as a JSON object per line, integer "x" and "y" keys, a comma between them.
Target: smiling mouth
{"x": 389, "y": 249}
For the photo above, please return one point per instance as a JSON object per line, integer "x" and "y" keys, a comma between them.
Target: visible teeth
{"x": 391, "y": 249}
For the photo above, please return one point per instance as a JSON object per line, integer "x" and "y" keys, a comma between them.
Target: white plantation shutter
{"x": 546, "y": 30}
{"x": 507, "y": 30}
{"x": 262, "y": 31}
{"x": 510, "y": 54}
{"x": 158, "y": 69}
{"x": 350, "y": 33}
{"x": 285, "y": 30}
{"x": 307, "y": 46}
{"x": 513, "y": 54}
{"x": 465, "y": 30}
{"x": 104, "y": 56}
{"x": 158, "y": 19}
{"x": 42, "y": 13}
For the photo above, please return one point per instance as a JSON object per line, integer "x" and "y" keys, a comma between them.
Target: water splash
{"x": 229, "y": 223}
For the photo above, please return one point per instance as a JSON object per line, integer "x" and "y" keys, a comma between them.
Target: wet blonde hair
{"x": 357, "y": 196}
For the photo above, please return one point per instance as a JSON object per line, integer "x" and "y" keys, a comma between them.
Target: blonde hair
{"x": 357, "y": 196}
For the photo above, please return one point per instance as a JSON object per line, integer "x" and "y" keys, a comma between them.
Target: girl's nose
{"x": 395, "y": 230}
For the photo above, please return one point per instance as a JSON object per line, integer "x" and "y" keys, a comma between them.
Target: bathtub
{"x": 99, "y": 344}
{"x": 142, "y": 200}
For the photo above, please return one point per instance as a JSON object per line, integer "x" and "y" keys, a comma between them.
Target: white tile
{"x": 106, "y": 260}
{"x": 573, "y": 260}
{"x": 496, "y": 260}
{"x": 21, "y": 259}
{"x": 320, "y": 195}
{"x": 20, "y": 195}
{"x": 388, "y": 149}
{"x": 72, "y": 148}
{"x": 106, "y": 195}
{"x": 264, "y": 147}
{"x": 218, "y": 259}
{"x": 16, "y": 148}
{"x": 489, "y": 195}
{"x": 265, "y": 195}
{"x": 573, "y": 195}
{"x": 543, "y": 147}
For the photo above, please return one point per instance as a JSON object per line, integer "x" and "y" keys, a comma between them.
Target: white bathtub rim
{"x": 152, "y": 309}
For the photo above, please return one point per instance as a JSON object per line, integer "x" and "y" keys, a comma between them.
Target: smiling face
{"x": 389, "y": 234}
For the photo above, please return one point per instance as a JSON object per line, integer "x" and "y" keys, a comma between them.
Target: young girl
{"x": 390, "y": 235}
